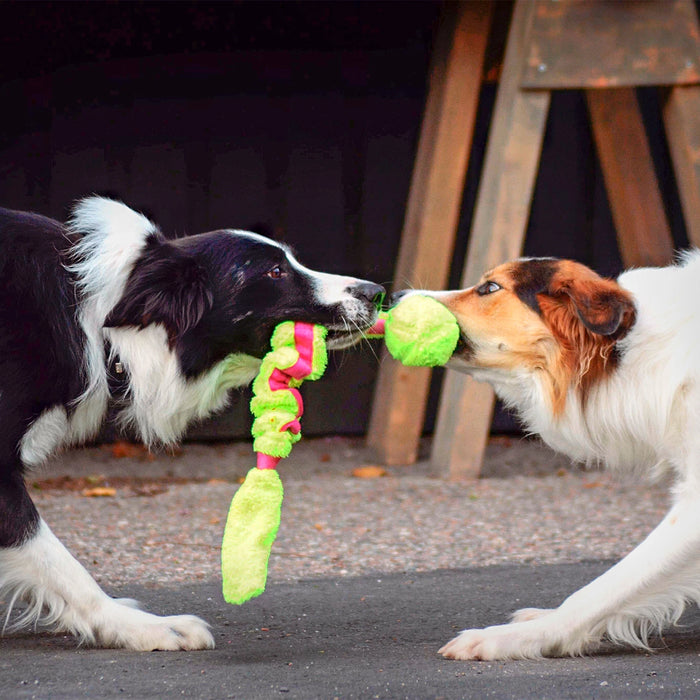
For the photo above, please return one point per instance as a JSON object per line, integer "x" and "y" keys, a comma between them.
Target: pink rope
{"x": 279, "y": 380}
{"x": 304, "y": 344}
{"x": 266, "y": 461}
{"x": 379, "y": 328}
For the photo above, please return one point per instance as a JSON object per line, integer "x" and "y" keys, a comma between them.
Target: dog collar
{"x": 117, "y": 374}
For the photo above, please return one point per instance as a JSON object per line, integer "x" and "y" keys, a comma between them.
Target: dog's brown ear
{"x": 601, "y": 304}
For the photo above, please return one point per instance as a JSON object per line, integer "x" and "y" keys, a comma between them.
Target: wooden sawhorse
{"x": 605, "y": 47}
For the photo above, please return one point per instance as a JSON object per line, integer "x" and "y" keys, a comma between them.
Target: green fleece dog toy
{"x": 298, "y": 353}
{"x": 417, "y": 331}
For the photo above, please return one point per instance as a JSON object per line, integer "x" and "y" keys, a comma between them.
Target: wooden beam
{"x": 464, "y": 421}
{"x": 637, "y": 208}
{"x": 682, "y": 120}
{"x": 498, "y": 232}
{"x": 432, "y": 214}
{"x": 614, "y": 43}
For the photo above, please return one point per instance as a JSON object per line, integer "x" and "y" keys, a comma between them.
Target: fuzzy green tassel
{"x": 251, "y": 528}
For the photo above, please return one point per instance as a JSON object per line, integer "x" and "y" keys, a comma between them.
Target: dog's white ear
{"x": 166, "y": 286}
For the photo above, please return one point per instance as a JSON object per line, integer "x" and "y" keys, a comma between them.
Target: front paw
{"x": 502, "y": 642}
{"x": 173, "y": 633}
{"x": 127, "y": 627}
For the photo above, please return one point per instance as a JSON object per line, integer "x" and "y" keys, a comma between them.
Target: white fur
{"x": 45, "y": 436}
{"x": 644, "y": 417}
{"x": 161, "y": 401}
{"x": 112, "y": 238}
{"x": 332, "y": 289}
{"x": 257, "y": 237}
{"x": 59, "y": 592}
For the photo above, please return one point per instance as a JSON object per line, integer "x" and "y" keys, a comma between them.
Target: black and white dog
{"x": 107, "y": 305}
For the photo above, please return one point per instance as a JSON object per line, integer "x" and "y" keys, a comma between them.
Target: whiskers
{"x": 365, "y": 340}
{"x": 356, "y": 332}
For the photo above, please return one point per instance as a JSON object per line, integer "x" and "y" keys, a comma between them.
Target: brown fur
{"x": 555, "y": 317}
{"x": 577, "y": 301}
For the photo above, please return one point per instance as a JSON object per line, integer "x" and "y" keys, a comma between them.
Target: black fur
{"x": 41, "y": 349}
{"x": 532, "y": 277}
{"x": 215, "y": 293}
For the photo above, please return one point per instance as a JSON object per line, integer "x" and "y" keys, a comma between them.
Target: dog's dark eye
{"x": 488, "y": 287}
{"x": 276, "y": 272}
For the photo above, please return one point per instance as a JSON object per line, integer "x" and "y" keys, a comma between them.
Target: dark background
{"x": 297, "y": 119}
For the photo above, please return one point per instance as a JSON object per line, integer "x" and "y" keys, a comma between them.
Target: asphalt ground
{"x": 354, "y": 637}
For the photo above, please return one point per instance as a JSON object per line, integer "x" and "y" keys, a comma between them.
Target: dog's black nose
{"x": 396, "y": 297}
{"x": 373, "y": 293}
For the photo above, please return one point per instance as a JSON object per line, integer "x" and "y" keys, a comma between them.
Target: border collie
{"x": 606, "y": 372}
{"x": 105, "y": 309}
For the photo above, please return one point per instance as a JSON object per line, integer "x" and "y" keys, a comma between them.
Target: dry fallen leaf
{"x": 369, "y": 471}
{"x": 148, "y": 489}
{"x": 99, "y": 492}
{"x": 123, "y": 449}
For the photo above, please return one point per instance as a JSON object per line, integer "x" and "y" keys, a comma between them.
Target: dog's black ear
{"x": 166, "y": 286}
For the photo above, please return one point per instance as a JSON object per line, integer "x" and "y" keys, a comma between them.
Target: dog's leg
{"x": 526, "y": 614}
{"x": 640, "y": 594}
{"x": 61, "y": 593}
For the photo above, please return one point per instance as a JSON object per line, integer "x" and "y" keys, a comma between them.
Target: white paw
{"x": 526, "y": 614}
{"x": 124, "y": 626}
{"x": 513, "y": 641}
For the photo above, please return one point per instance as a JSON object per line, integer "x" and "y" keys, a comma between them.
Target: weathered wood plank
{"x": 593, "y": 44}
{"x": 464, "y": 421}
{"x": 498, "y": 232}
{"x": 432, "y": 213}
{"x": 637, "y": 208}
{"x": 682, "y": 120}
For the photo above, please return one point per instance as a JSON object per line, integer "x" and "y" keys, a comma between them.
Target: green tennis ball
{"x": 251, "y": 528}
{"x": 421, "y": 332}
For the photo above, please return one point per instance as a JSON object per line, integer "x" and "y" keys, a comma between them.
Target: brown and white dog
{"x": 607, "y": 372}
